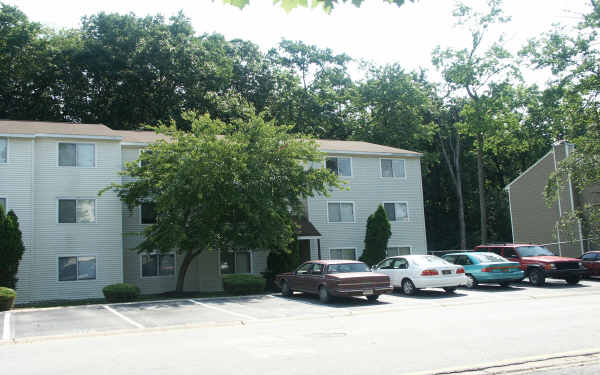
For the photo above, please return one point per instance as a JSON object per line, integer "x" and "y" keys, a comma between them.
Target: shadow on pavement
{"x": 336, "y": 302}
{"x": 491, "y": 288}
{"x": 429, "y": 294}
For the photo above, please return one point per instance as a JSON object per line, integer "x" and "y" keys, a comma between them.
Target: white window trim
{"x": 75, "y": 256}
{"x": 140, "y": 215}
{"x": 406, "y": 219}
{"x": 76, "y": 143}
{"x": 7, "y": 150}
{"x": 410, "y": 250}
{"x": 340, "y": 157}
{"x": 343, "y": 248}
{"x": 394, "y": 177}
{"x": 6, "y": 209}
{"x": 157, "y": 275}
{"x": 76, "y": 199}
{"x": 342, "y": 222}
{"x": 234, "y": 260}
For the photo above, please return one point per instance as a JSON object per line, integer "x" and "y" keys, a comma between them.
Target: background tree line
{"x": 478, "y": 129}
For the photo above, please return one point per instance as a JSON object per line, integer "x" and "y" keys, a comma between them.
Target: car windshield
{"x": 488, "y": 257}
{"x": 533, "y": 251}
{"x": 430, "y": 260}
{"x": 347, "y": 267}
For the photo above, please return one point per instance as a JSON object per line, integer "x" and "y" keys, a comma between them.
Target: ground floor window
{"x": 3, "y": 204}
{"x": 236, "y": 262}
{"x": 395, "y": 251}
{"x": 76, "y": 268}
{"x": 343, "y": 253}
{"x": 158, "y": 265}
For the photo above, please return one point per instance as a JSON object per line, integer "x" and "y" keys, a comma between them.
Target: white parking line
{"x": 136, "y": 324}
{"x": 6, "y": 330}
{"x": 248, "y": 317}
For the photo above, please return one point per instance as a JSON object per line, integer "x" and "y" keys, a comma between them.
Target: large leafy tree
{"x": 327, "y": 5}
{"x": 11, "y": 248}
{"x": 224, "y": 186}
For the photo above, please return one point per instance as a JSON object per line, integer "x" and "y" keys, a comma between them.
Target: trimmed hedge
{"x": 121, "y": 292}
{"x": 7, "y": 298}
{"x": 243, "y": 284}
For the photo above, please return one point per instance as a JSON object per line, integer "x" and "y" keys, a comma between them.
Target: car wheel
{"x": 285, "y": 289}
{"x": 450, "y": 289}
{"x": 408, "y": 287}
{"x": 373, "y": 298}
{"x": 537, "y": 277}
{"x": 471, "y": 282}
{"x": 505, "y": 284}
{"x": 324, "y": 295}
{"x": 572, "y": 280}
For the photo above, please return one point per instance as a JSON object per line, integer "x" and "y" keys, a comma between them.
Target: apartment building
{"x": 78, "y": 242}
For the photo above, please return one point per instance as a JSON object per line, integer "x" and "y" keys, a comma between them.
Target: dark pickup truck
{"x": 539, "y": 263}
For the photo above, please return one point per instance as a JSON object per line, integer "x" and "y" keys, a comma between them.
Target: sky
{"x": 378, "y": 32}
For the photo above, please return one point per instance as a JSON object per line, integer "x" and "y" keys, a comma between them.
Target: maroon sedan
{"x": 591, "y": 261}
{"x": 327, "y": 278}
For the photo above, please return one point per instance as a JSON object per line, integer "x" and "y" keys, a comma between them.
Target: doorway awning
{"x": 306, "y": 230}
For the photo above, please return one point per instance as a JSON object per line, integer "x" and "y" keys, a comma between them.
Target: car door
{"x": 465, "y": 262}
{"x": 400, "y": 270}
{"x": 301, "y": 277}
{"x": 385, "y": 267}
{"x": 315, "y": 278}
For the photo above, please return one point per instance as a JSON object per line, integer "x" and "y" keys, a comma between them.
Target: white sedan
{"x": 413, "y": 272}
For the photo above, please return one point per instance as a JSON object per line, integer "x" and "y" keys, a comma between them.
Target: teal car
{"x": 487, "y": 268}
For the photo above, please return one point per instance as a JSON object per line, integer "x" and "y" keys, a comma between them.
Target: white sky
{"x": 377, "y": 31}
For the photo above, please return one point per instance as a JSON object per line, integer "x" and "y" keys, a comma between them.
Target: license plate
{"x": 446, "y": 272}
{"x": 367, "y": 292}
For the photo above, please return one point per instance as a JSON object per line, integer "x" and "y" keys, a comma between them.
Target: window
{"x": 340, "y": 212}
{"x": 143, "y": 163}
{"x": 510, "y": 253}
{"x": 76, "y": 210}
{"x": 235, "y": 262}
{"x": 386, "y": 264}
{"x": 396, "y": 211}
{"x": 392, "y": 168}
{"x": 76, "y": 268}
{"x": 3, "y": 150}
{"x": 588, "y": 256}
{"x": 317, "y": 269}
{"x": 400, "y": 264}
{"x": 76, "y": 154}
{"x": 463, "y": 260}
{"x": 339, "y": 166}
{"x": 3, "y": 204}
{"x": 148, "y": 213}
{"x": 345, "y": 254}
{"x": 158, "y": 265}
{"x": 304, "y": 269}
{"x": 398, "y": 250}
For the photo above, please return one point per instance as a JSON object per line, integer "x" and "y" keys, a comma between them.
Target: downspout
{"x": 573, "y": 204}
{"x": 512, "y": 224}
{"x": 559, "y": 208}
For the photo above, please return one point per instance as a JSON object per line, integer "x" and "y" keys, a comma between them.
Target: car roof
{"x": 471, "y": 253}
{"x": 332, "y": 261}
{"x": 508, "y": 245}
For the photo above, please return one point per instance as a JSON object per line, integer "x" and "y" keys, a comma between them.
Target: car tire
{"x": 450, "y": 289}
{"x": 285, "y": 289}
{"x": 324, "y": 295}
{"x": 505, "y": 284}
{"x": 472, "y": 283}
{"x": 537, "y": 277}
{"x": 573, "y": 280}
{"x": 408, "y": 287}
{"x": 373, "y": 298}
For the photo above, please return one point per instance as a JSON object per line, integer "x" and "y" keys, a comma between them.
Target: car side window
{"x": 386, "y": 264}
{"x": 304, "y": 269}
{"x": 597, "y": 256}
{"x": 494, "y": 250}
{"x": 450, "y": 258}
{"x": 317, "y": 269}
{"x": 400, "y": 264}
{"x": 510, "y": 253}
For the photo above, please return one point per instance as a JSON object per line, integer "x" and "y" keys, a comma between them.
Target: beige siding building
{"x": 78, "y": 242}
{"x": 532, "y": 220}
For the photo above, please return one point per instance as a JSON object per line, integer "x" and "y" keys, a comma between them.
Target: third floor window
{"x": 76, "y": 154}
{"x": 339, "y": 166}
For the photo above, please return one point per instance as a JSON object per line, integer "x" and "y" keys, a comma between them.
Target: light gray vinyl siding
{"x": 368, "y": 190}
{"x": 16, "y": 185}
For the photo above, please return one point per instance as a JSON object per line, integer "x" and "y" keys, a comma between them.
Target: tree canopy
{"x": 327, "y": 5}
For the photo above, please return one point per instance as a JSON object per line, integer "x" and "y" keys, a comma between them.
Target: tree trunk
{"x": 481, "y": 175}
{"x": 187, "y": 260}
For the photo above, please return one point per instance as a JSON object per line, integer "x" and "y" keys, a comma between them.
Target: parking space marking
{"x": 135, "y": 324}
{"x": 6, "y": 330}
{"x": 248, "y": 317}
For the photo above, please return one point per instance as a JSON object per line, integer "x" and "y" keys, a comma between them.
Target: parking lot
{"x": 22, "y": 325}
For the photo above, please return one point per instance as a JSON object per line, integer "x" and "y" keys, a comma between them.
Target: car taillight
{"x": 460, "y": 270}
{"x": 429, "y": 273}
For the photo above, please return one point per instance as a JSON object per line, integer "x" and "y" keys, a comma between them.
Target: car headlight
{"x": 550, "y": 266}
{"x": 580, "y": 264}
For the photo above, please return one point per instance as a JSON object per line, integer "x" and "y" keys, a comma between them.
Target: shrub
{"x": 376, "y": 238}
{"x": 243, "y": 284}
{"x": 7, "y": 298}
{"x": 279, "y": 261}
{"x": 11, "y": 248}
{"x": 121, "y": 292}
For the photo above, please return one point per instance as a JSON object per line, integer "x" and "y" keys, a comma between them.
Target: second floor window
{"x": 339, "y": 166}
{"x": 148, "y": 213}
{"x": 76, "y": 210}
{"x": 3, "y": 150}
{"x": 340, "y": 212}
{"x": 3, "y": 204}
{"x": 392, "y": 168}
{"x": 396, "y": 211}
{"x": 76, "y": 154}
